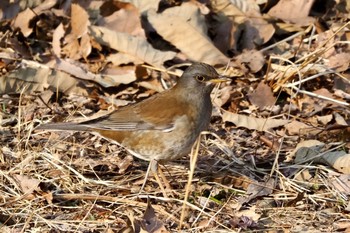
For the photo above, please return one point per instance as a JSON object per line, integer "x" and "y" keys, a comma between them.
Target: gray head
{"x": 199, "y": 76}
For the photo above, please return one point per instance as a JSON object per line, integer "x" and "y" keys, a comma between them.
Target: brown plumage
{"x": 164, "y": 126}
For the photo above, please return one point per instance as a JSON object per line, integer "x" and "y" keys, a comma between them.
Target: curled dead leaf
{"x": 190, "y": 40}
{"x": 254, "y": 123}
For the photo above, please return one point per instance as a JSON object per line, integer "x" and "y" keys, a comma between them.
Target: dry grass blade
{"x": 193, "y": 161}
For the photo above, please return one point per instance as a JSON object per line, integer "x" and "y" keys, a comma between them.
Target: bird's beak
{"x": 219, "y": 79}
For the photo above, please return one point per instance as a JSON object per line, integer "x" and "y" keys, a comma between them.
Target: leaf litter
{"x": 276, "y": 157}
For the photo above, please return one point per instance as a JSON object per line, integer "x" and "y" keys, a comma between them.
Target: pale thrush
{"x": 164, "y": 126}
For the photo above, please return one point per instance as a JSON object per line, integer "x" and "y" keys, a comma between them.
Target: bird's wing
{"x": 150, "y": 114}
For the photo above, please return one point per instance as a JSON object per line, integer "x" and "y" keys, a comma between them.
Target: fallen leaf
{"x": 131, "y": 45}
{"x": 122, "y": 59}
{"x": 122, "y": 74}
{"x": 339, "y": 119}
{"x": 262, "y": 96}
{"x": 339, "y": 62}
{"x": 294, "y": 11}
{"x": 342, "y": 225}
{"x": 312, "y": 151}
{"x": 296, "y": 128}
{"x": 79, "y": 20}
{"x": 256, "y": 31}
{"x": 341, "y": 183}
{"x": 324, "y": 120}
{"x": 107, "y": 78}
{"x": 258, "y": 189}
{"x": 144, "y": 6}
{"x": 253, "y": 59}
{"x": 126, "y": 19}
{"x": 254, "y": 123}
{"x": 22, "y": 21}
{"x": 222, "y": 96}
{"x": 306, "y": 143}
{"x": 56, "y": 40}
{"x": 339, "y": 160}
{"x": 250, "y": 213}
{"x": 32, "y": 76}
{"x": 78, "y": 41}
{"x": 27, "y": 184}
{"x": 150, "y": 222}
{"x": 190, "y": 40}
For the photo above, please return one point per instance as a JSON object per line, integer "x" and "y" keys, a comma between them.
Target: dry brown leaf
{"x": 340, "y": 119}
{"x": 341, "y": 183}
{"x": 56, "y": 40}
{"x": 296, "y": 127}
{"x": 190, "y": 40}
{"x": 106, "y": 79}
{"x": 326, "y": 39}
{"x": 339, "y": 62}
{"x": 324, "y": 120}
{"x": 126, "y": 19}
{"x": 150, "y": 222}
{"x": 122, "y": 74}
{"x": 262, "y": 97}
{"x": 339, "y": 160}
{"x": 85, "y": 46}
{"x": 154, "y": 85}
{"x": 122, "y": 59}
{"x": 240, "y": 23}
{"x": 71, "y": 49}
{"x": 143, "y": 5}
{"x": 256, "y": 31}
{"x": 250, "y": 213}
{"x": 258, "y": 189}
{"x": 189, "y": 12}
{"x": 27, "y": 184}
{"x": 342, "y": 94}
{"x": 22, "y": 21}
{"x": 254, "y": 123}
{"x": 32, "y": 76}
{"x": 306, "y": 143}
{"x": 342, "y": 225}
{"x": 253, "y": 59}
{"x": 312, "y": 151}
{"x": 227, "y": 8}
{"x": 131, "y": 45}
{"x": 79, "y": 20}
{"x": 222, "y": 96}
{"x": 79, "y": 23}
{"x": 295, "y": 11}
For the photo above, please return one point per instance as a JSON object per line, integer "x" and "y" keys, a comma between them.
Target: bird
{"x": 162, "y": 127}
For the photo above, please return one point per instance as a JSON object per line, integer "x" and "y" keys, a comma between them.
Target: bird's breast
{"x": 161, "y": 145}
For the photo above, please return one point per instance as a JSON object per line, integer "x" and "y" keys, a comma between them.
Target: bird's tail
{"x": 64, "y": 126}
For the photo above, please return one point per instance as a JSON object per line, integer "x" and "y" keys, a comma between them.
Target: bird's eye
{"x": 200, "y": 78}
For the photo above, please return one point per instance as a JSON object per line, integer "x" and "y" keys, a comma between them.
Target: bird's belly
{"x": 160, "y": 146}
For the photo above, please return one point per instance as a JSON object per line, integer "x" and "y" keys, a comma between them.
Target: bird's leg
{"x": 146, "y": 176}
{"x": 165, "y": 180}
{"x": 153, "y": 167}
